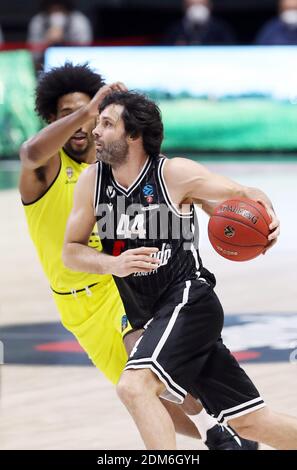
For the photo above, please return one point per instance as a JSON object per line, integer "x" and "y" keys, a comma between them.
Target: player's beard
{"x": 75, "y": 152}
{"x": 114, "y": 153}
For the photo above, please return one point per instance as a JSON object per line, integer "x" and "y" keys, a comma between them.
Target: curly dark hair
{"x": 62, "y": 80}
{"x": 141, "y": 117}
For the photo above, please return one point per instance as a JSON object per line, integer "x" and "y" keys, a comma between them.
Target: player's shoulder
{"x": 90, "y": 172}
{"x": 88, "y": 176}
{"x": 182, "y": 171}
{"x": 84, "y": 189}
{"x": 177, "y": 166}
{"x": 176, "y": 162}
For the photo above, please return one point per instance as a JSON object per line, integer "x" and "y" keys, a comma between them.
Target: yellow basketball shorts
{"x": 97, "y": 319}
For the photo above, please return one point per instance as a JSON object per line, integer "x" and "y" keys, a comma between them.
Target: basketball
{"x": 238, "y": 229}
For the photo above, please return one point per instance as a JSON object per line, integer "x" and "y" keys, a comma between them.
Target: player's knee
{"x": 249, "y": 426}
{"x": 133, "y": 384}
{"x": 128, "y": 388}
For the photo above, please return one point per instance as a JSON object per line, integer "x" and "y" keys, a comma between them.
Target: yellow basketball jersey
{"x": 47, "y": 219}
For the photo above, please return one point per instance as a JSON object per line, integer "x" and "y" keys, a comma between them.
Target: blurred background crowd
{"x": 205, "y": 22}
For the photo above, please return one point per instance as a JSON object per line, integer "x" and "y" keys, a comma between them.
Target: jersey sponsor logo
{"x": 163, "y": 255}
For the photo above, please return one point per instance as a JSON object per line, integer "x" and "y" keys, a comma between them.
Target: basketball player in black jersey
{"x": 69, "y": 90}
{"x": 160, "y": 276}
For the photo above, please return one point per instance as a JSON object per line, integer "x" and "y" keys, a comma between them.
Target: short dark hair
{"x": 60, "y": 81}
{"x": 141, "y": 117}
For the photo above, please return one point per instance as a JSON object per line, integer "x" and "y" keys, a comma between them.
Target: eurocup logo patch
{"x": 148, "y": 192}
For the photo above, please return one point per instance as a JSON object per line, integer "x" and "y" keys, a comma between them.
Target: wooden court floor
{"x": 71, "y": 407}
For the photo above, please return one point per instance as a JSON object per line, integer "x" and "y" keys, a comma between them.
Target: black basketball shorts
{"x": 182, "y": 345}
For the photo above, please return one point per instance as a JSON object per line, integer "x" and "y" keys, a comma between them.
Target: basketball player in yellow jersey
{"x": 67, "y": 98}
{"x": 89, "y": 304}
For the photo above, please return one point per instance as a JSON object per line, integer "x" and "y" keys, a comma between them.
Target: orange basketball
{"x": 239, "y": 228}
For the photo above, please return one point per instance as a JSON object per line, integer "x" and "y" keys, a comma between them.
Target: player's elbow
{"x": 67, "y": 255}
{"x": 28, "y": 156}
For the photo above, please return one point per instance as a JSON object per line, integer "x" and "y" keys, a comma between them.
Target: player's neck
{"x": 90, "y": 156}
{"x": 127, "y": 173}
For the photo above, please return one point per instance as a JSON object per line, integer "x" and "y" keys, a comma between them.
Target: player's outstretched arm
{"x": 191, "y": 181}
{"x": 207, "y": 206}
{"x": 78, "y": 256}
{"x": 39, "y": 149}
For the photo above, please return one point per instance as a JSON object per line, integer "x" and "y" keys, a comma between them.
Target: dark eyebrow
{"x": 106, "y": 118}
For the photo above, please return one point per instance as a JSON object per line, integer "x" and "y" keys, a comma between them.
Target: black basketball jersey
{"x": 144, "y": 215}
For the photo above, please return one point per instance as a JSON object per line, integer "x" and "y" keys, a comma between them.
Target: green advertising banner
{"x": 214, "y": 99}
{"x": 18, "y": 120}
